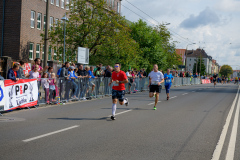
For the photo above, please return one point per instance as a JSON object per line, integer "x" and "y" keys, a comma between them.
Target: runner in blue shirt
{"x": 168, "y": 82}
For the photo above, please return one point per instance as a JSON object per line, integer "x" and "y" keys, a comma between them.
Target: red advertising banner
{"x": 206, "y": 81}
{"x": 20, "y": 94}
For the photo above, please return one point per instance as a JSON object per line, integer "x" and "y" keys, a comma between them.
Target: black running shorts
{"x": 118, "y": 95}
{"x": 155, "y": 88}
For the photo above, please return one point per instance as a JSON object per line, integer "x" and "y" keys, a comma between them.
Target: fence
{"x": 88, "y": 88}
{"x": 85, "y": 88}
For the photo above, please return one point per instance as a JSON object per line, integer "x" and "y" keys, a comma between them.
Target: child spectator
{"x": 34, "y": 74}
{"x": 52, "y": 88}
{"x": 45, "y": 84}
{"x": 50, "y": 71}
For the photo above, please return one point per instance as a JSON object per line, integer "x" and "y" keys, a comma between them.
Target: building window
{"x": 32, "y": 19}
{"x": 57, "y": 3}
{"x": 56, "y": 22}
{"x": 38, "y": 51}
{"x": 118, "y": 7}
{"x": 52, "y": 1}
{"x": 44, "y": 22}
{"x": 51, "y": 23}
{"x": 31, "y": 51}
{"x": 67, "y": 4}
{"x": 43, "y": 53}
{"x": 39, "y": 21}
{"x": 55, "y": 53}
{"x": 113, "y": 3}
{"x": 49, "y": 53}
{"x": 62, "y": 4}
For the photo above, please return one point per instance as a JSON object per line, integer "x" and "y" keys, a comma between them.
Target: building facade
{"x": 23, "y": 21}
{"x": 194, "y": 55}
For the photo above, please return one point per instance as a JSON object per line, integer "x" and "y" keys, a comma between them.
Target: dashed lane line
{"x": 173, "y": 97}
{"x": 49, "y": 134}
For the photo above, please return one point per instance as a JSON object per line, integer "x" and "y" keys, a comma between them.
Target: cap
{"x": 72, "y": 67}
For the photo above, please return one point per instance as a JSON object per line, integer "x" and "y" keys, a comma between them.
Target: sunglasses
{"x": 116, "y": 66}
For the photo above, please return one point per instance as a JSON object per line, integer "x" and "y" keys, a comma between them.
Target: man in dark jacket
{"x": 13, "y": 73}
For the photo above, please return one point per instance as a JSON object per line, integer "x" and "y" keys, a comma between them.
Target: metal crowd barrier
{"x": 89, "y": 88}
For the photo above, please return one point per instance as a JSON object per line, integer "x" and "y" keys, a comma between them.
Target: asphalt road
{"x": 197, "y": 123}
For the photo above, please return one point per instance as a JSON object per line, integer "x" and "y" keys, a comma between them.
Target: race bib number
{"x": 154, "y": 82}
{"x": 167, "y": 80}
{"x": 115, "y": 84}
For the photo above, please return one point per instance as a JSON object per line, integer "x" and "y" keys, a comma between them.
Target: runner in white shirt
{"x": 155, "y": 79}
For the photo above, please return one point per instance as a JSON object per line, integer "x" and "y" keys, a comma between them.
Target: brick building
{"x": 24, "y": 21}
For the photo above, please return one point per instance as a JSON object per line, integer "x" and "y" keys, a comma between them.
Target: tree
{"x": 203, "y": 68}
{"x": 92, "y": 24}
{"x": 226, "y": 70}
{"x": 154, "y": 46}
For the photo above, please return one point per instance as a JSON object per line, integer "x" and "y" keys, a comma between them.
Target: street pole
{"x": 196, "y": 64}
{"x": 46, "y": 35}
{"x": 200, "y": 67}
{"x": 64, "y": 19}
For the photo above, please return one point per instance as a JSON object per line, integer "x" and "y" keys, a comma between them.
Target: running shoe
{"x": 167, "y": 98}
{"x": 127, "y": 103}
{"x": 113, "y": 118}
{"x": 154, "y": 108}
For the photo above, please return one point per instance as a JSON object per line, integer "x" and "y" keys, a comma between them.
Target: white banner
{"x": 2, "y": 95}
{"x": 20, "y": 94}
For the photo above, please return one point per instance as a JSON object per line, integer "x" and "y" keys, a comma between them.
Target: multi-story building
{"x": 22, "y": 22}
{"x": 194, "y": 55}
{"x": 181, "y": 53}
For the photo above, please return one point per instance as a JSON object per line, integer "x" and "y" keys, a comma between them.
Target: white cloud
{"x": 229, "y": 5}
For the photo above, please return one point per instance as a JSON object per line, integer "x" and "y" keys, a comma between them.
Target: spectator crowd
{"x": 69, "y": 76}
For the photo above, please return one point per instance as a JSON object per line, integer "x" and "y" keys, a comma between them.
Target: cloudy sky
{"x": 213, "y": 25}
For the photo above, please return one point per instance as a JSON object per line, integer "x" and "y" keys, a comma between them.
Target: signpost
{"x": 83, "y": 55}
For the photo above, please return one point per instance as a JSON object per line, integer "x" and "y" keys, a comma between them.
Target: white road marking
{"x": 124, "y": 112}
{"x": 48, "y": 134}
{"x": 151, "y": 103}
{"x": 232, "y": 143}
{"x": 173, "y": 97}
{"x": 121, "y": 112}
{"x": 218, "y": 149}
{"x": 184, "y": 94}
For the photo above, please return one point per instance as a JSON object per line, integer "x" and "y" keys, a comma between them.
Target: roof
{"x": 198, "y": 53}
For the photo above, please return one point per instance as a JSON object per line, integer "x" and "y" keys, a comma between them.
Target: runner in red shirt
{"x": 118, "y": 79}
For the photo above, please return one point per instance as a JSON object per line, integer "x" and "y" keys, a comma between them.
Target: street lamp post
{"x": 46, "y": 35}
{"x": 64, "y": 19}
